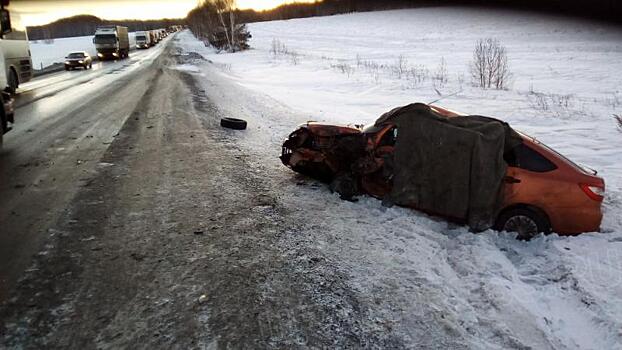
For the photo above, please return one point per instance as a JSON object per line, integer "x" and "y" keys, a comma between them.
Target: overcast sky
{"x": 37, "y": 12}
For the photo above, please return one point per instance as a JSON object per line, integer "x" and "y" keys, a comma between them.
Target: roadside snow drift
{"x": 410, "y": 271}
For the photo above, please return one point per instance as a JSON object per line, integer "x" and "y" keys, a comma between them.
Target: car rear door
{"x": 529, "y": 178}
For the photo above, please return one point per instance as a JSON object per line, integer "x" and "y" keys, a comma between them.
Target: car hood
{"x": 322, "y": 129}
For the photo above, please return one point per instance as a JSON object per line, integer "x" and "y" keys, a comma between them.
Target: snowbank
{"x": 409, "y": 270}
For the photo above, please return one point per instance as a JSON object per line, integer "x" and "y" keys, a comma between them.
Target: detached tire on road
{"x": 233, "y": 123}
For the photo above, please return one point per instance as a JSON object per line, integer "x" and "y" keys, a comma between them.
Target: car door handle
{"x": 511, "y": 180}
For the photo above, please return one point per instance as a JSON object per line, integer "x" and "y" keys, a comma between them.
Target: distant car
{"x": 78, "y": 59}
{"x": 543, "y": 190}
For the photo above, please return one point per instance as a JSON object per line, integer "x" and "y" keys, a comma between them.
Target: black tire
{"x": 66, "y": 68}
{"x": 13, "y": 83}
{"x": 233, "y": 123}
{"x": 526, "y": 222}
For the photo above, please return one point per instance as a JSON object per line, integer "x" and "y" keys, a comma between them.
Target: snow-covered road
{"x": 417, "y": 280}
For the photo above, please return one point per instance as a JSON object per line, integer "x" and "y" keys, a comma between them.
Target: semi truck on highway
{"x": 15, "y": 62}
{"x": 112, "y": 42}
{"x": 143, "y": 40}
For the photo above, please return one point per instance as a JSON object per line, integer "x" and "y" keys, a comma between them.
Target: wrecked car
{"x": 469, "y": 169}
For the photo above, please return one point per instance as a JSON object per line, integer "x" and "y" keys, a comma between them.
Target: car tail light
{"x": 595, "y": 192}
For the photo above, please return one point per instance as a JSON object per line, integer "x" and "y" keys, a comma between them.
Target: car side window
{"x": 524, "y": 157}
{"x": 389, "y": 138}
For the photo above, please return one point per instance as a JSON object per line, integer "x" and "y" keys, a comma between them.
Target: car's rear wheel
{"x": 525, "y": 222}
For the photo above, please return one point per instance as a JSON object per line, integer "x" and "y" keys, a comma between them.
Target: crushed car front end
{"x": 309, "y": 150}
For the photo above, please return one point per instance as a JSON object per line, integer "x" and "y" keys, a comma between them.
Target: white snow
{"x": 44, "y": 55}
{"x": 490, "y": 290}
{"x": 188, "y": 68}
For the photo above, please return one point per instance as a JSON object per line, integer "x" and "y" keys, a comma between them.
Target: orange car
{"x": 543, "y": 191}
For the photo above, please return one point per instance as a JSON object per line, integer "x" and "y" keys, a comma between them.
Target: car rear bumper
{"x": 573, "y": 221}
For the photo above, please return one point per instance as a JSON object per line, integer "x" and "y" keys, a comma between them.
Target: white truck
{"x": 15, "y": 63}
{"x": 112, "y": 42}
{"x": 143, "y": 40}
{"x": 154, "y": 37}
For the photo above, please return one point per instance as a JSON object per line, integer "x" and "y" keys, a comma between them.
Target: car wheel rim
{"x": 523, "y": 225}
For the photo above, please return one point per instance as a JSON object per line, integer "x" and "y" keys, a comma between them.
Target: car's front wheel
{"x": 526, "y": 222}
{"x": 13, "y": 83}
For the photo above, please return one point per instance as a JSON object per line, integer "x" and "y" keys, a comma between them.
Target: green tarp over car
{"x": 449, "y": 166}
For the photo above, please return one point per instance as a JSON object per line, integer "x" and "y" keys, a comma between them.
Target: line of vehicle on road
{"x": 111, "y": 42}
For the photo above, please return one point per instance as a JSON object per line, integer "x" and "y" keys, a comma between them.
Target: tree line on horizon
{"x": 85, "y": 24}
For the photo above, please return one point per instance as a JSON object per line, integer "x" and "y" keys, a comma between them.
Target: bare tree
{"x": 214, "y": 21}
{"x": 490, "y": 68}
{"x": 232, "y": 5}
{"x": 222, "y": 6}
{"x": 440, "y": 75}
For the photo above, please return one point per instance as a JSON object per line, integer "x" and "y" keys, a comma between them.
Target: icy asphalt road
{"x": 64, "y": 123}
